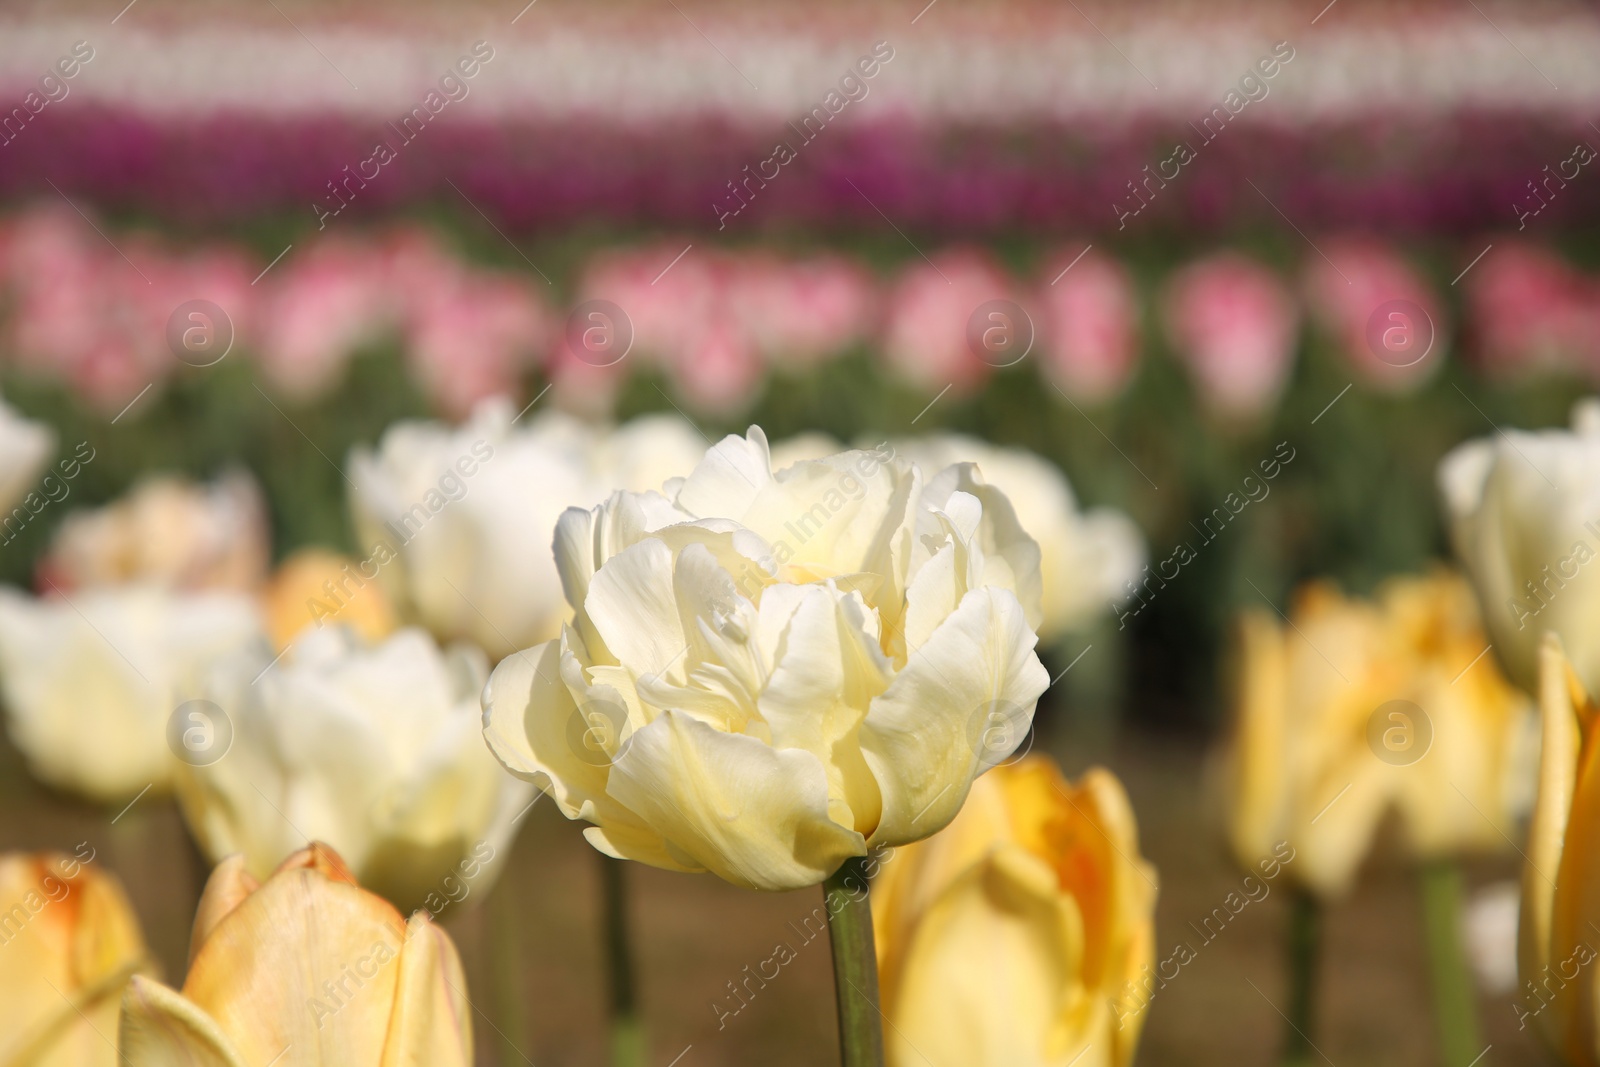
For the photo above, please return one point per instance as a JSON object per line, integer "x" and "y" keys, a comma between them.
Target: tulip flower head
{"x": 1524, "y": 518}
{"x": 372, "y": 748}
{"x": 1357, "y": 708}
{"x": 69, "y": 942}
{"x": 768, "y": 672}
{"x": 306, "y": 961}
{"x": 166, "y": 531}
{"x": 456, "y": 520}
{"x": 1012, "y": 935}
{"x": 91, "y": 683}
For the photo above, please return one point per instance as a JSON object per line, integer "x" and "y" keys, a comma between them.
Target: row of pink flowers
{"x": 95, "y": 309}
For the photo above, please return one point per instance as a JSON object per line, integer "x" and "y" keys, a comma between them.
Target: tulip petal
{"x": 306, "y": 961}
{"x": 1558, "y": 766}
{"x": 431, "y": 1025}
{"x": 161, "y": 1027}
{"x": 754, "y": 815}
{"x": 926, "y": 737}
{"x": 230, "y": 883}
{"x": 991, "y": 975}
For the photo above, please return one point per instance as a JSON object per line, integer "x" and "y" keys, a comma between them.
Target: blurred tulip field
{"x": 965, "y": 534}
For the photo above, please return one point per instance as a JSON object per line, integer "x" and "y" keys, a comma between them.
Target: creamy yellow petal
{"x": 752, "y": 814}
{"x": 432, "y": 1023}
{"x": 307, "y": 961}
{"x": 163, "y": 1028}
{"x": 963, "y": 702}
{"x": 227, "y": 887}
{"x": 991, "y": 974}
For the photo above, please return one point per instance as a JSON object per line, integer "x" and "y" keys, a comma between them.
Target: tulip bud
{"x": 1017, "y": 934}
{"x": 69, "y": 942}
{"x": 316, "y": 587}
{"x": 308, "y": 961}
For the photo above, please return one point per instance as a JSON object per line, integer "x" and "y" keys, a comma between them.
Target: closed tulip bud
{"x": 309, "y": 964}
{"x": 69, "y": 942}
{"x": 768, "y": 673}
{"x": 1357, "y": 708}
{"x": 1525, "y": 523}
{"x": 1014, "y": 936}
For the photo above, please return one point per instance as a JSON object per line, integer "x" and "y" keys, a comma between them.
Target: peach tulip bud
{"x": 306, "y": 961}
{"x": 69, "y": 942}
{"x": 1016, "y": 934}
{"x": 314, "y": 587}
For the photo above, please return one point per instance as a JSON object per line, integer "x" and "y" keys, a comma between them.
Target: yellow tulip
{"x": 1007, "y": 938}
{"x": 69, "y": 942}
{"x": 1356, "y": 708}
{"x": 306, "y": 966}
{"x": 315, "y": 586}
{"x": 1558, "y": 935}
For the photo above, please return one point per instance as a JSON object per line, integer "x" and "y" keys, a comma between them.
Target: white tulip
{"x": 769, "y": 673}
{"x": 372, "y": 749}
{"x": 1086, "y": 557}
{"x": 458, "y": 520}
{"x": 91, "y": 683}
{"x": 1524, "y": 514}
{"x": 25, "y": 445}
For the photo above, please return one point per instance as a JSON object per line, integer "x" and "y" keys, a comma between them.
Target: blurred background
{"x": 1185, "y": 214}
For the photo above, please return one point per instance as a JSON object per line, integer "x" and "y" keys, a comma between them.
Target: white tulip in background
{"x": 769, "y": 673}
{"x": 375, "y": 750}
{"x": 1086, "y": 556}
{"x": 170, "y": 531}
{"x": 466, "y": 512}
{"x": 90, "y": 683}
{"x": 25, "y": 445}
{"x": 1524, "y": 507}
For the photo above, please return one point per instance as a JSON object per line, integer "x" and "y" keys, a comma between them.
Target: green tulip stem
{"x": 1455, "y": 1008}
{"x": 1305, "y": 947}
{"x": 627, "y": 1031}
{"x": 855, "y": 966}
{"x": 506, "y": 961}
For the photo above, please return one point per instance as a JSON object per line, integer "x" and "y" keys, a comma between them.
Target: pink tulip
{"x": 802, "y": 312}
{"x": 474, "y": 340}
{"x": 321, "y": 306}
{"x": 929, "y": 310}
{"x": 1363, "y": 277}
{"x": 1090, "y": 337}
{"x": 1530, "y": 310}
{"x": 1234, "y": 323}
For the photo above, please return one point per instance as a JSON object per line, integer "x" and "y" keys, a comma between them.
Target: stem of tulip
{"x": 627, "y": 1032}
{"x": 1305, "y": 946}
{"x": 1455, "y": 1008}
{"x": 855, "y": 965}
{"x": 506, "y": 961}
